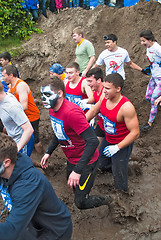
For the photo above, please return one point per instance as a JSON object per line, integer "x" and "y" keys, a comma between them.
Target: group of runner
{"x": 74, "y": 96}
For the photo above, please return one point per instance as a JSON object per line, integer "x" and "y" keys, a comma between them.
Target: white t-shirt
{"x": 154, "y": 56}
{"x": 114, "y": 61}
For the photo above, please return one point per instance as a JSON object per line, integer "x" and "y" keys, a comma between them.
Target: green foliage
{"x": 13, "y": 20}
{"x": 9, "y": 43}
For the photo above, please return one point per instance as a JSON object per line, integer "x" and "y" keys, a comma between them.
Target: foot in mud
{"x": 39, "y": 148}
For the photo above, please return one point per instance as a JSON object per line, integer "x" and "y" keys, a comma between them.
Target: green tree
{"x": 14, "y": 21}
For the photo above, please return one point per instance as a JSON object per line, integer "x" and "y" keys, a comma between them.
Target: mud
{"x": 133, "y": 216}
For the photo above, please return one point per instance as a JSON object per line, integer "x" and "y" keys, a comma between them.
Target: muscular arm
{"x": 92, "y": 112}
{"x": 133, "y": 66}
{"x": 27, "y": 133}
{"x": 131, "y": 121}
{"x": 23, "y": 90}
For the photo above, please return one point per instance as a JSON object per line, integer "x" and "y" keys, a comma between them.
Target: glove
{"x": 92, "y": 122}
{"x": 147, "y": 70}
{"x": 83, "y": 104}
{"x": 109, "y": 151}
{"x": 159, "y": 63}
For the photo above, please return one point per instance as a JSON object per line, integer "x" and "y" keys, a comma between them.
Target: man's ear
{"x": 118, "y": 89}
{"x": 7, "y": 162}
{"x": 60, "y": 93}
{"x": 99, "y": 80}
{"x": 78, "y": 72}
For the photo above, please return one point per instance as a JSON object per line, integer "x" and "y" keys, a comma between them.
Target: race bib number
{"x": 109, "y": 126}
{"x": 6, "y": 198}
{"x": 57, "y": 126}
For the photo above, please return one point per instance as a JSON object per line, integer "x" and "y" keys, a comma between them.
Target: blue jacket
{"x": 33, "y": 200}
{"x": 29, "y": 4}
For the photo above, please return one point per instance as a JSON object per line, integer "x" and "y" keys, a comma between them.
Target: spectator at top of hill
{"x": 44, "y": 8}
{"x": 85, "y": 53}
{"x": 31, "y": 6}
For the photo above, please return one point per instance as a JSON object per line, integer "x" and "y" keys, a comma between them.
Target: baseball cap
{"x": 57, "y": 68}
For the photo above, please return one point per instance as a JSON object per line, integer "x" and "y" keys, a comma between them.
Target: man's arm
{"x": 91, "y": 145}
{"x": 23, "y": 91}
{"x": 131, "y": 121}
{"x": 26, "y": 197}
{"x": 27, "y": 133}
{"x": 52, "y": 146}
{"x": 93, "y": 111}
{"x": 95, "y": 65}
{"x": 134, "y": 66}
{"x": 90, "y": 63}
{"x": 132, "y": 124}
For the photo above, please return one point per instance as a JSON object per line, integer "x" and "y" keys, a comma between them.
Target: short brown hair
{"x": 10, "y": 69}
{"x": 73, "y": 65}
{"x": 8, "y": 148}
{"x": 78, "y": 30}
{"x": 116, "y": 79}
{"x": 55, "y": 83}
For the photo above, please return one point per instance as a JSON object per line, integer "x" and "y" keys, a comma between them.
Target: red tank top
{"x": 96, "y": 99}
{"x": 96, "y": 96}
{"x": 75, "y": 94}
{"x": 115, "y": 131}
{"x": 32, "y": 112}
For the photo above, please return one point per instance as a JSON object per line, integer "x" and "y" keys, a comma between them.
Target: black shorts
{"x": 88, "y": 176}
{"x": 1, "y": 126}
{"x": 35, "y": 125}
{"x": 99, "y": 132}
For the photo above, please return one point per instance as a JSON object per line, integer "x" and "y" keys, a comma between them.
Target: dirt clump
{"x": 133, "y": 216}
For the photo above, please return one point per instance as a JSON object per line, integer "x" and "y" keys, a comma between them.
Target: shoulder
{"x": 87, "y": 42}
{"x": 105, "y": 52}
{"x": 22, "y": 86}
{"x": 127, "y": 109}
{"x": 123, "y": 50}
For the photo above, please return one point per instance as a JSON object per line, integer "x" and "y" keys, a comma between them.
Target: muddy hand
{"x": 44, "y": 160}
{"x": 73, "y": 180}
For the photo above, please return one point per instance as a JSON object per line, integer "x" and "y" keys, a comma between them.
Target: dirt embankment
{"x": 135, "y": 216}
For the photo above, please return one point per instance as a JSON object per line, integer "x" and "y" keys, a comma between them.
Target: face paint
{"x": 2, "y": 168}
{"x": 49, "y": 98}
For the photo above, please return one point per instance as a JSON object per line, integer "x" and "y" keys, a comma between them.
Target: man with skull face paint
{"x": 78, "y": 141}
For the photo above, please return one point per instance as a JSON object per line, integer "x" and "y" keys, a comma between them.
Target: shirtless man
{"x": 22, "y": 92}
{"x": 121, "y": 129}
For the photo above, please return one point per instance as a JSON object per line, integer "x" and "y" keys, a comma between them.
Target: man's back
{"x": 33, "y": 200}
{"x": 32, "y": 111}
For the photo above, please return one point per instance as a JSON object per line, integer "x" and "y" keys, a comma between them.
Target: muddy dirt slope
{"x": 135, "y": 216}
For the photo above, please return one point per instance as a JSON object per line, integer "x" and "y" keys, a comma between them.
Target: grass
{"x": 11, "y": 45}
